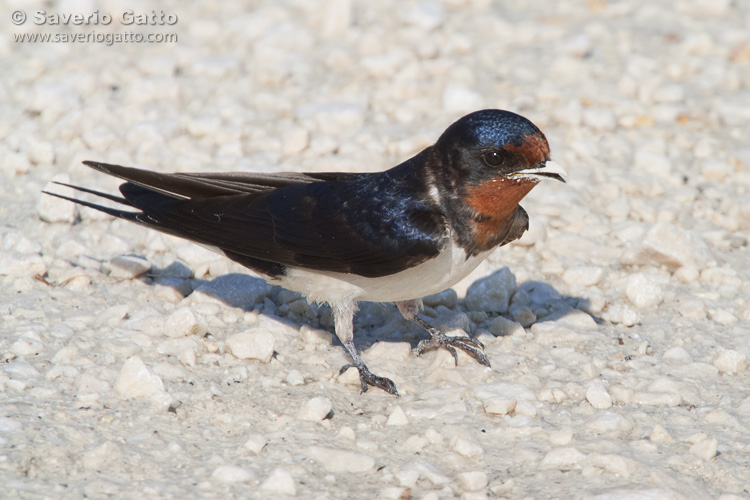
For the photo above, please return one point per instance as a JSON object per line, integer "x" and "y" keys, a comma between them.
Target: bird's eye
{"x": 493, "y": 158}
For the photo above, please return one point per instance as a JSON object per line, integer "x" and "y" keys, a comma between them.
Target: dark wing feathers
{"x": 323, "y": 221}
{"x": 202, "y": 185}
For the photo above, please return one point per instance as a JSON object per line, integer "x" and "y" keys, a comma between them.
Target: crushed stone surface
{"x": 138, "y": 365}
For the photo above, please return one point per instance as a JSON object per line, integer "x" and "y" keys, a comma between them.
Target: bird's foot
{"x": 472, "y": 347}
{"x": 366, "y": 378}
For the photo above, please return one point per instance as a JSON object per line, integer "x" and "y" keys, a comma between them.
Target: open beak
{"x": 548, "y": 169}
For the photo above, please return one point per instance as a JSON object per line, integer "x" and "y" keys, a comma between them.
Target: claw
{"x": 472, "y": 347}
{"x": 366, "y": 377}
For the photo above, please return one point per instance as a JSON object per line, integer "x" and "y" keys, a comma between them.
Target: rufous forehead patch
{"x": 534, "y": 148}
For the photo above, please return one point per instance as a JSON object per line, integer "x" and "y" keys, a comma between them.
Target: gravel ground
{"x": 136, "y": 365}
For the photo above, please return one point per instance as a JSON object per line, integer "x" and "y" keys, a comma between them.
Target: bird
{"x": 340, "y": 238}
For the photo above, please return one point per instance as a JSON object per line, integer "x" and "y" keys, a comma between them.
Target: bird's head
{"x": 490, "y": 160}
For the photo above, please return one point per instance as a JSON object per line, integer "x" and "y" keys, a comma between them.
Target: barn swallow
{"x": 340, "y": 238}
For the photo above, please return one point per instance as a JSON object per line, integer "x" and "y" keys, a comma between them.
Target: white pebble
{"x": 623, "y": 315}
{"x": 465, "y": 447}
{"x": 20, "y": 264}
{"x": 425, "y": 470}
{"x": 597, "y": 395}
{"x": 583, "y": 275}
{"x": 294, "y": 378}
{"x": 232, "y": 474}
{"x": 656, "y": 399}
{"x": 397, "y": 351}
{"x": 669, "y": 245}
{"x": 550, "y": 333}
{"x": 705, "y": 449}
{"x": 611, "y": 424}
{"x": 659, "y": 434}
{"x": 722, "y": 316}
{"x": 492, "y": 293}
{"x": 314, "y": 336}
{"x": 338, "y": 460}
{"x": 561, "y": 437}
{"x": 473, "y": 480}
{"x": 279, "y": 481}
{"x": 677, "y": 354}
{"x": 136, "y": 380}
{"x": 642, "y": 292}
{"x": 315, "y": 409}
{"x": 183, "y": 322}
{"x": 255, "y": 443}
{"x": 500, "y": 406}
{"x": 730, "y": 362}
{"x": 397, "y": 417}
{"x": 128, "y": 266}
{"x": 564, "y": 457}
{"x": 53, "y": 209}
{"x": 253, "y": 344}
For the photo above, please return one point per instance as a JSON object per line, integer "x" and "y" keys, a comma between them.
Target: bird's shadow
{"x": 528, "y": 303}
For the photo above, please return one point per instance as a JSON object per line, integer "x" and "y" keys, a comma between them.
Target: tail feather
{"x": 120, "y": 214}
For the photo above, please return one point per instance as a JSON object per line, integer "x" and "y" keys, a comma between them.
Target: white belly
{"x": 433, "y": 276}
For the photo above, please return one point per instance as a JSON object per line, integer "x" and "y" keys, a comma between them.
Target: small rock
{"x": 705, "y": 449}
{"x": 668, "y": 245}
{"x": 315, "y": 409}
{"x": 659, "y": 434}
{"x": 597, "y": 395}
{"x": 473, "y": 480}
{"x": 255, "y": 443}
{"x": 619, "y": 314}
{"x": 583, "y": 275}
{"x": 338, "y": 460}
{"x": 53, "y": 209}
{"x": 294, "y": 378}
{"x": 21, "y": 264}
{"x": 561, "y": 437}
{"x": 502, "y": 326}
{"x": 499, "y": 406}
{"x": 136, "y": 380}
{"x": 564, "y": 457}
{"x": 465, "y": 447}
{"x": 232, "y": 474}
{"x": 252, "y": 344}
{"x": 314, "y": 336}
{"x": 183, "y": 322}
{"x": 610, "y": 424}
{"x": 677, "y": 354}
{"x": 642, "y": 292}
{"x": 397, "y": 417}
{"x": 279, "y": 481}
{"x": 492, "y": 293}
{"x": 730, "y": 362}
{"x": 397, "y": 351}
{"x": 128, "y": 266}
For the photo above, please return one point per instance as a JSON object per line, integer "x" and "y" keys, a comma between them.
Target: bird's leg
{"x": 343, "y": 315}
{"x": 474, "y": 348}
